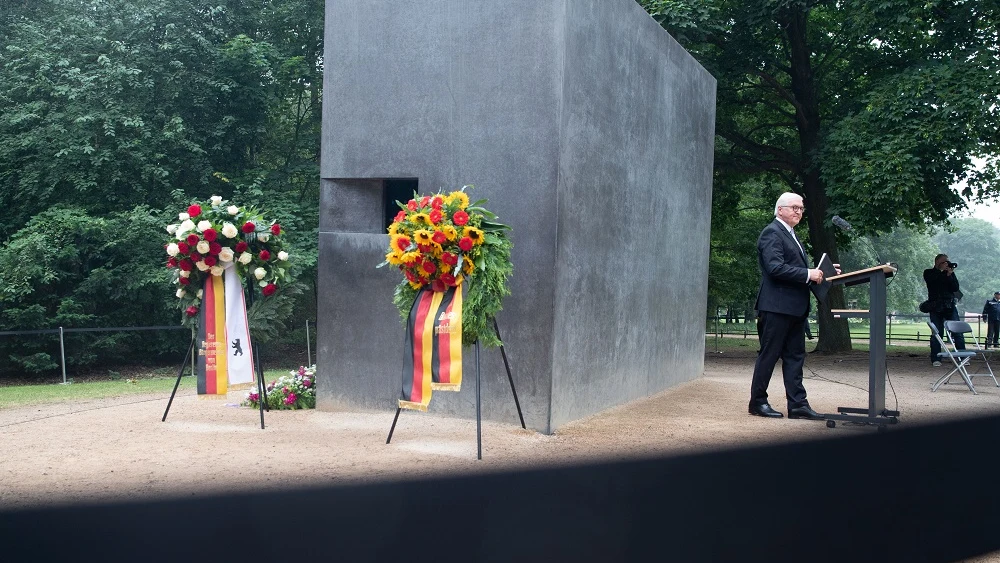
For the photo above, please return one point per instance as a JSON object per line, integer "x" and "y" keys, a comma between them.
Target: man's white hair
{"x": 787, "y": 198}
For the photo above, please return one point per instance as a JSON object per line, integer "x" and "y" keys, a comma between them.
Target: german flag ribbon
{"x": 433, "y": 358}
{"x": 212, "y": 368}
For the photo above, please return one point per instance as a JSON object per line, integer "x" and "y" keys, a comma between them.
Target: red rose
{"x": 437, "y": 202}
{"x": 241, "y": 246}
{"x": 211, "y": 260}
{"x": 275, "y": 229}
{"x": 209, "y": 234}
{"x": 183, "y": 247}
{"x": 195, "y": 257}
{"x": 424, "y": 201}
{"x": 400, "y": 217}
{"x": 448, "y": 279}
{"x": 269, "y": 289}
{"x": 248, "y": 227}
{"x": 460, "y": 218}
{"x": 438, "y": 237}
{"x": 171, "y": 262}
{"x": 465, "y": 244}
{"x": 449, "y": 258}
{"x": 194, "y": 210}
{"x": 435, "y": 216}
{"x": 402, "y": 243}
{"x": 191, "y": 311}
{"x": 186, "y": 264}
{"x": 428, "y": 266}
{"x": 214, "y": 248}
{"x": 265, "y": 255}
{"x": 192, "y": 239}
{"x": 411, "y": 205}
{"x": 438, "y": 286}
{"x": 184, "y": 281}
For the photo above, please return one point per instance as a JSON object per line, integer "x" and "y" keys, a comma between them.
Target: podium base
{"x": 862, "y": 416}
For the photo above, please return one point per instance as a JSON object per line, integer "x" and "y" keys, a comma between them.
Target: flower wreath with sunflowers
{"x": 214, "y": 234}
{"x": 438, "y": 241}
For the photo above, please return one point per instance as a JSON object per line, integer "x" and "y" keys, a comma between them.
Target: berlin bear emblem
{"x": 237, "y": 349}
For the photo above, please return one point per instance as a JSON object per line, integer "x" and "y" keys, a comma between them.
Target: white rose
{"x": 203, "y": 226}
{"x": 259, "y": 273}
{"x": 216, "y": 270}
{"x": 181, "y": 292}
{"x": 216, "y": 199}
{"x": 202, "y": 265}
{"x": 229, "y": 230}
{"x": 200, "y": 291}
{"x": 186, "y": 226}
{"x": 245, "y": 258}
{"x": 263, "y": 237}
{"x": 226, "y": 254}
{"x": 183, "y": 216}
{"x": 172, "y": 249}
{"x": 233, "y": 210}
{"x": 172, "y": 228}
{"x": 282, "y": 255}
{"x": 202, "y": 247}
{"x": 185, "y": 274}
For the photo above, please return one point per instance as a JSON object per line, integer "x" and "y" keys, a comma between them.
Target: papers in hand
{"x": 820, "y": 290}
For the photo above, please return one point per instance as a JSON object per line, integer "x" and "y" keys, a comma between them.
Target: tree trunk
{"x": 834, "y": 334}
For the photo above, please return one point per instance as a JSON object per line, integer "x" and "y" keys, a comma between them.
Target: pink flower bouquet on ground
{"x": 297, "y": 390}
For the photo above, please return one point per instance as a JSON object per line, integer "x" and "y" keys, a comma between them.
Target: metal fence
{"x": 61, "y": 331}
{"x": 720, "y": 326}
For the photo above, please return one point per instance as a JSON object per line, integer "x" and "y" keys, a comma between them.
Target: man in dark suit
{"x": 943, "y": 292}
{"x": 991, "y": 314}
{"x": 782, "y": 306}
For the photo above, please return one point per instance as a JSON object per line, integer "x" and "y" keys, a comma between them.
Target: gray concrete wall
{"x": 635, "y": 198}
{"x": 541, "y": 104}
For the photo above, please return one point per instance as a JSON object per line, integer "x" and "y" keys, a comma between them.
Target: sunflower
{"x": 461, "y": 197}
{"x": 421, "y": 218}
{"x": 475, "y": 234}
{"x": 423, "y": 237}
{"x": 467, "y": 265}
{"x": 395, "y": 258}
{"x": 449, "y": 232}
{"x": 393, "y": 229}
{"x": 444, "y": 267}
{"x": 411, "y": 257}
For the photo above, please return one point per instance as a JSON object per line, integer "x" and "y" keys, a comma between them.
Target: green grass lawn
{"x": 25, "y": 395}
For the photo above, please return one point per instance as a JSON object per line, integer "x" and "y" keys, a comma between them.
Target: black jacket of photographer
{"x": 941, "y": 289}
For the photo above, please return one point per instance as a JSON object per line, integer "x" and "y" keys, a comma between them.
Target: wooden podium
{"x": 876, "y": 413}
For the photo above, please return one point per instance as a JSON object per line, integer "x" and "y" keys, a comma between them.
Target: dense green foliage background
{"x": 114, "y": 116}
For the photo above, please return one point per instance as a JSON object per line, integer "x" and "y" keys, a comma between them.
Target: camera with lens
{"x": 952, "y": 265}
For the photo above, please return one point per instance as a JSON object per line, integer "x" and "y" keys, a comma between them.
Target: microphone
{"x": 843, "y": 225}
{"x": 840, "y": 222}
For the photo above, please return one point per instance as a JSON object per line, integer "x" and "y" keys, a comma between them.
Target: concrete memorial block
{"x": 591, "y": 132}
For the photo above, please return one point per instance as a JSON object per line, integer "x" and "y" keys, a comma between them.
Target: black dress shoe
{"x": 765, "y": 410}
{"x": 804, "y": 412}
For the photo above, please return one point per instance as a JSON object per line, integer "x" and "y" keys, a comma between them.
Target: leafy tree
{"x": 869, "y": 109}
{"x": 975, "y": 245}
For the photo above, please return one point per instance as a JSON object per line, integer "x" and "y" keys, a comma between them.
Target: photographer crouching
{"x": 942, "y": 297}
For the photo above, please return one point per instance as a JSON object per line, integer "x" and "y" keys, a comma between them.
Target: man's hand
{"x": 837, "y": 268}
{"x": 816, "y": 275}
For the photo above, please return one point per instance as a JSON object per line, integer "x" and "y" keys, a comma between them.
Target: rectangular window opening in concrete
{"x": 397, "y": 189}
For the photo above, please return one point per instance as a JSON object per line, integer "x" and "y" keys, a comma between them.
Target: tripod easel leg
{"x": 479, "y": 418}
{"x": 393, "y": 427}
{"x": 180, "y": 373}
{"x": 510, "y": 378}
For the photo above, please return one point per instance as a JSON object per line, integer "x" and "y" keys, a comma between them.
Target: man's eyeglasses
{"x": 795, "y": 208}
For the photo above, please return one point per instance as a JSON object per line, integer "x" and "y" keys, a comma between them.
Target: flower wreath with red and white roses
{"x": 214, "y": 234}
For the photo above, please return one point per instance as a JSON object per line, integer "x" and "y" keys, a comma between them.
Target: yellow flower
{"x": 393, "y": 229}
{"x": 423, "y": 236}
{"x": 467, "y": 265}
{"x": 420, "y": 218}
{"x": 445, "y": 268}
{"x": 394, "y": 258}
{"x": 461, "y": 197}
{"x": 475, "y": 234}
{"x": 411, "y": 257}
{"x": 449, "y": 232}
{"x": 416, "y": 285}
{"x": 398, "y": 242}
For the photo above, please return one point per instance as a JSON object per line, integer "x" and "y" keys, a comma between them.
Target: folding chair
{"x": 962, "y": 327}
{"x": 959, "y": 358}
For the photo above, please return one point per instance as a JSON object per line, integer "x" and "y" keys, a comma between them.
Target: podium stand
{"x": 876, "y": 413}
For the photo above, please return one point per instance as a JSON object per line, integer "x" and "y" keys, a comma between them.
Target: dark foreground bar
{"x": 909, "y": 495}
